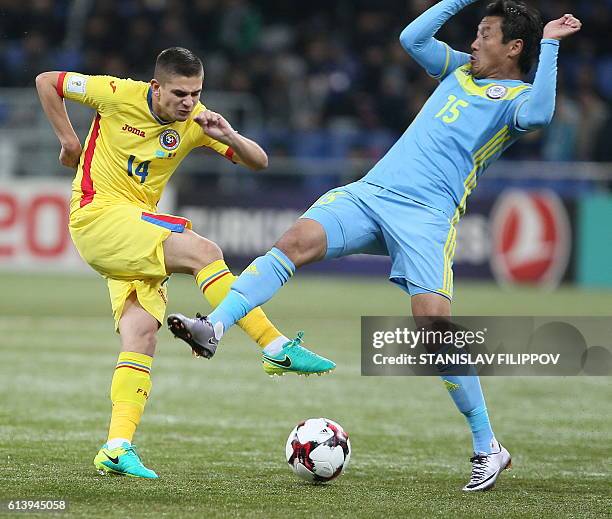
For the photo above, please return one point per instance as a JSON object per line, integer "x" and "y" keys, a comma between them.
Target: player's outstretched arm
{"x": 539, "y": 108}
{"x": 246, "y": 151}
{"x": 53, "y": 105}
{"x": 418, "y": 40}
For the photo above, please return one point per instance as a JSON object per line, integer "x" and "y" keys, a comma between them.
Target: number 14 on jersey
{"x": 142, "y": 169}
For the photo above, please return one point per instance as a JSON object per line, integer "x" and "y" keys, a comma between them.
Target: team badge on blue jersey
{"x": 497, "y": 92}
{"x": 169, "y": 139}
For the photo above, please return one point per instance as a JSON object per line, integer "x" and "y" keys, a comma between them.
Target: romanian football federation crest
{"x": 169, "y": 139}
{"x": 497, "y": 92}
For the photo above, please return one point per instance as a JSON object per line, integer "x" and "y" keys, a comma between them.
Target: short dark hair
{"x": 177, "y": 61}
{"x": 519, "y": 22}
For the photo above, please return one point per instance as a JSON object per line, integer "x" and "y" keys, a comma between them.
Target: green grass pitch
{"x": 215, "y": 430}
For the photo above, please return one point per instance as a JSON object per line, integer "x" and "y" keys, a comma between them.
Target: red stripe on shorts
{"x": 167, "y": 218}
{"x": 60, "y": 84}
{"x": 86, "y": 182}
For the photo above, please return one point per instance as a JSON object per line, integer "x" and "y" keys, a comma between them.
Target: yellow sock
{"x": 130, "y": 389}
{"x": 215, "y": 282}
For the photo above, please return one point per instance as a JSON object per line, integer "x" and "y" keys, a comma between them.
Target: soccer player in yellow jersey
{"x": 140, "y": 134}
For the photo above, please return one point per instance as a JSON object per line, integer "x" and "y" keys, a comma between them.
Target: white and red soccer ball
{"x": 318, "y": 450}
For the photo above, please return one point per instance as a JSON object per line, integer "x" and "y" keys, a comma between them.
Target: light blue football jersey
{"x": 465, "y": 125}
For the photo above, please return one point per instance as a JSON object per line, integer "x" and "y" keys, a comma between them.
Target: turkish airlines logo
{"x": 531, "y": 238}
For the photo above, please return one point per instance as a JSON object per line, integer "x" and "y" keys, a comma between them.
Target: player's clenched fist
{"x": 70, "y": 154}
{"x": 563, "y": 27}
{"x": 214, "y": 125}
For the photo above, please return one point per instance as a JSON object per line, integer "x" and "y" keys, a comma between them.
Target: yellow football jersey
{"x": 129, "y": 154}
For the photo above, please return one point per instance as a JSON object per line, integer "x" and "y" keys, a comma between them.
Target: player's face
{"x": 177, "y": 96}
{"x": 488, "y": 49}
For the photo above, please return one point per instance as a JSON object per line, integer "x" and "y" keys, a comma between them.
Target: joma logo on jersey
{"x": 131, "y": 129}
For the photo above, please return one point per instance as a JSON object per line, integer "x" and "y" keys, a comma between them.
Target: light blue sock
{"x": 255, "y": 286}
{"x": 467, "y": 395}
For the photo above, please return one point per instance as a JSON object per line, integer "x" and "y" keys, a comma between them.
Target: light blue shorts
{"x": 362, "y": 218}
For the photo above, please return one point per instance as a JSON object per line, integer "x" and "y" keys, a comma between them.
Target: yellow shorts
{"x": 124, "y": 243}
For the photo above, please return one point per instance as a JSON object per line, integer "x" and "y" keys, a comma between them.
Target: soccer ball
{"x": 318, "y": 450}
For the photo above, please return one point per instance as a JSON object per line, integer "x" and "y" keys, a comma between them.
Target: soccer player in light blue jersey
{"x": 408, "y": 205}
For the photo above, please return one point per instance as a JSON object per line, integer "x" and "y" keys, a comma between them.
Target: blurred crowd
{"x": 330, "y": 76}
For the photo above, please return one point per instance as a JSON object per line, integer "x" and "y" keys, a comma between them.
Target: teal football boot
{"x": 294, "y": 358}
{"x": 123, "y": 460}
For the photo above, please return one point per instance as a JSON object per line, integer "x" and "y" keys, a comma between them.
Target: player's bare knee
{"x": 139, "y": 339}
{"x": 294, "y": 248}
{"x": 204, "y": 253}
{"x": 149, "y": 340}
{"x": 301, "y": 245}
{"x": 430, "y": 305}
{"x": 188, "y": 253}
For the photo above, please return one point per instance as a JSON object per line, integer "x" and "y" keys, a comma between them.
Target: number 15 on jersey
{"x": 451, "y": 110}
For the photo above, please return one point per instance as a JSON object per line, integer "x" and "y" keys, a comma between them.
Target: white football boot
{"x": 487, "y": 467}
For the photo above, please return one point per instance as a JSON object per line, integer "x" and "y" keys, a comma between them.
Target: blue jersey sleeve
{"x": 537, "y": 109}
{"x": 436, "y": 57}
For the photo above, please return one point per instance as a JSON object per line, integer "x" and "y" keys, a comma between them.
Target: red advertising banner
{"x": 34, "y": 226}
